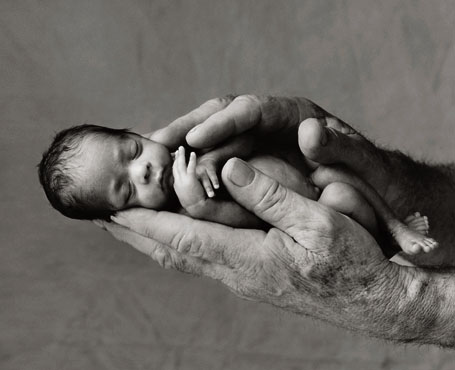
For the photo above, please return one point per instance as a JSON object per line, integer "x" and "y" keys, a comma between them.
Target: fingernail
{"x": 241, "y": 174}
{"x": 119, "y": 220}
{"x": 193, "y": 129}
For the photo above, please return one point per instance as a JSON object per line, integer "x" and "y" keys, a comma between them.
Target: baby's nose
{"x": 142, "y": 173}
{"x": 157, "y": 175}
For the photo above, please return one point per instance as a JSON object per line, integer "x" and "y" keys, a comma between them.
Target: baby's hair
{"x": 57, "y": 176}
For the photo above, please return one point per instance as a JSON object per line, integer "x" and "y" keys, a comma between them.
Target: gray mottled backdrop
{"x": 73, "y": 298}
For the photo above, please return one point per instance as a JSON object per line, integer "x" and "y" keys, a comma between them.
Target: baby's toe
{"x": 415, "y": 248}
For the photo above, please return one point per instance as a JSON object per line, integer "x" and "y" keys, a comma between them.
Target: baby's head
{"x": 91, "y": 172}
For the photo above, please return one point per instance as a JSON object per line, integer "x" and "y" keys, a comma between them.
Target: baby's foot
{"x": 411, "y": 238}
{"x": 418, "y": 223}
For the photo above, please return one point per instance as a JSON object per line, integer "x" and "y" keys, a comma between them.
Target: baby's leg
{"x": 347, "y": 200}
{"x": 410, "y": 239}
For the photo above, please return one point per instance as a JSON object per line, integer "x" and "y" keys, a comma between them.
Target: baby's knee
{"x": 343, "y": 197}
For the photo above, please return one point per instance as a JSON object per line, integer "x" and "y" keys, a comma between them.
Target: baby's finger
{"x": 213, "y": 178}
{"x": 192, "y": 164}
{"x": 207, "y": 185}
{"x": 181, "y": 160}
{"x": 175, "y": 170}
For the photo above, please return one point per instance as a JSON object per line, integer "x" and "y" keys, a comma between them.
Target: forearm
{"x": 224, "y": 212}
{"x": 401, "y": 304}
{"x": 420, "y": 308}
{"x": 423, "y": 309}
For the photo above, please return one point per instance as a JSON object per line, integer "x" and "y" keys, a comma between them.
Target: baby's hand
{"x": 186, "y": 185}
{"x": 206, "y": 173}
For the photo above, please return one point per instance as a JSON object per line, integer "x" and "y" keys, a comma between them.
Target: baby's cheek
{"x": 152, "y": 199}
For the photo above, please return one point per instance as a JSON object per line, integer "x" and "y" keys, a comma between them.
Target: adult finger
{"x": 174, "y": 134}
{"x": 288, "y": 211}
{"x": 331, "y": 141}
{"x": 209, "y": 241}
{"x": 165, "y": 256}
{"x": 265, "y": 114}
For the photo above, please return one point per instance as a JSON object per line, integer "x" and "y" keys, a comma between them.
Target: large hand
{"x": 402, "y": 182}
{"x": 173, "y": 135}
{"x": 316, "y": 261}
{"x": 323, "y": 140}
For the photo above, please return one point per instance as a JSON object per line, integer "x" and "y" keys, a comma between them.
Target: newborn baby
{"x": 91, "y": 172}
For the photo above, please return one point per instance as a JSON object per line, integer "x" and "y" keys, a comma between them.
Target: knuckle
{"x": 272, "y": 199}
{"x": 188, "y": 242}
{"x": 163, "y": 258}
{"x": 219, "y": 101}
{"x": 327, "y": 224}
{"x": 169, "y": 263}
{"x": 247, "y": 98}
{"x": 229, "y": 98}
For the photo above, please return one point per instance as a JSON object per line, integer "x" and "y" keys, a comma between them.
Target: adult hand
{"x": 402, "y": 182}
{"x": 313, "y": 261}
{"x": 323, "y": 138}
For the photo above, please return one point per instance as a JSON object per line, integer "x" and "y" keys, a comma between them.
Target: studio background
{"x": 71, "y": 297}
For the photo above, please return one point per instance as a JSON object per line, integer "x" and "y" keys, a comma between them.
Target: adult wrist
{"x": 421, "y": 309}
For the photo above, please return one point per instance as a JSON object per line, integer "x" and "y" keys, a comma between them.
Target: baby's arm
{"x": 192, "y": 197}
{"x": 210, "y": 163}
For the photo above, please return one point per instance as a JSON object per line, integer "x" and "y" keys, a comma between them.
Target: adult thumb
{"x": 273, "y": 202}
